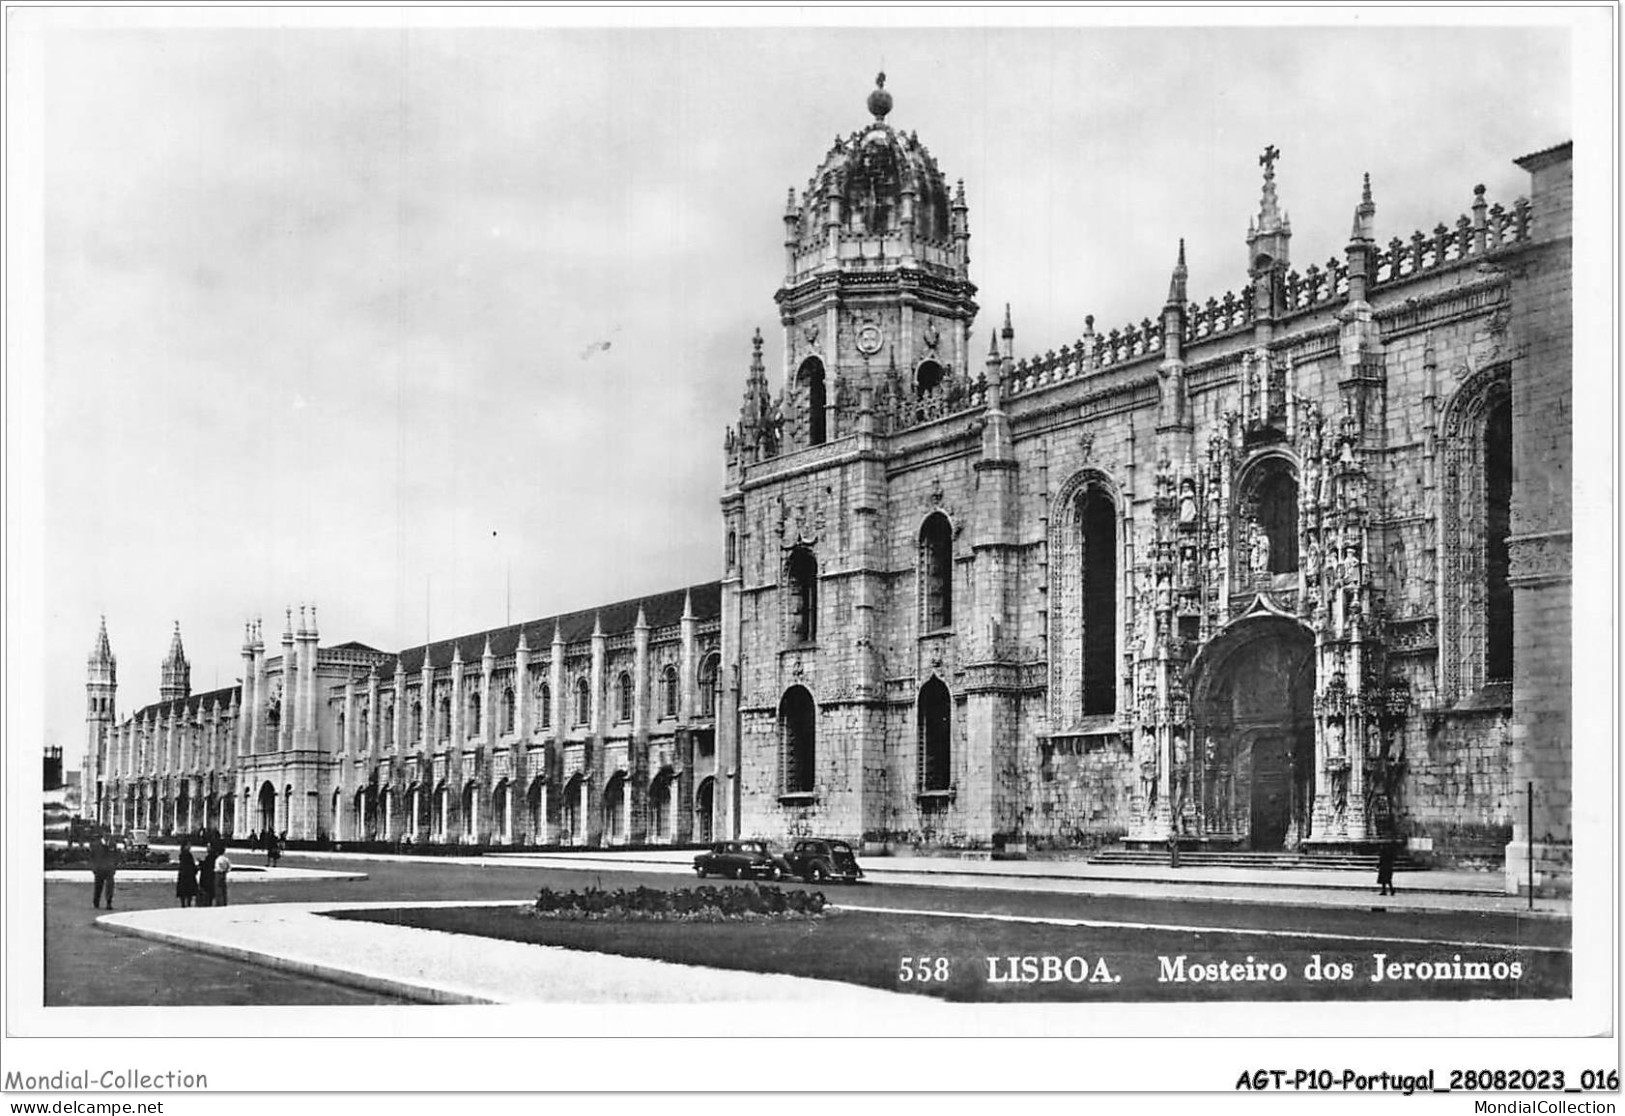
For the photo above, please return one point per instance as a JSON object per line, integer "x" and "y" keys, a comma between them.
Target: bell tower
{"x": 877, "y": 294}
{"x": 101, "y": 691}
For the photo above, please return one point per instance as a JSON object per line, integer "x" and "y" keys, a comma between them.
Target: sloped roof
{"x": 189, "y": 704}
{"x": 660, "y": 610}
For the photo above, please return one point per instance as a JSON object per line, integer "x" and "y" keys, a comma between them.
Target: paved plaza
{"x": 272, "y": 945}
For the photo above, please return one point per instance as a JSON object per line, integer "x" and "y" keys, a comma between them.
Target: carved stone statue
{"x": 1187, "y": 502}
{"x": 1334, "y": 739}
{"x": 1150, "y": 768}
{"x": 1258, "y": 546}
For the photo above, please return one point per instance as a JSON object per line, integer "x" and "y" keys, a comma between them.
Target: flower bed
{"x": 696, "y": 904}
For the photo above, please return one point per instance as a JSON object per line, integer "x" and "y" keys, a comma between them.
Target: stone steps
{"x": 1192, "y": 858}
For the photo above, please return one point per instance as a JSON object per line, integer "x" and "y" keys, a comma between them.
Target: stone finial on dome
{"x": 880, "y": 100}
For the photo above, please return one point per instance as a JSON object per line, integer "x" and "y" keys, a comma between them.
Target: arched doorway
{"x": 267, "y": 808}
{"x": 536, "y": 803}
{"x": 439, "y": 818}
{"x": 502, "y": 813}
{"x": 414, "y": 812}
{"x": 1250, "y": 771}
{"x": 573, "y": 790}
{"x": 615, "y": 811}
{"x": 470, "y": 809}
{"x": 661, "y": 822}
{"x": 704, "y": 799}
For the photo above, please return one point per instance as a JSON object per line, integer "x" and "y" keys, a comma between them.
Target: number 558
{"x": 923, "y": 970}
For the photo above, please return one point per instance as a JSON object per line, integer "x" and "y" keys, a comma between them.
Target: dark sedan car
{"x": 741, "y": 860}
{"x": 816, "y": 859}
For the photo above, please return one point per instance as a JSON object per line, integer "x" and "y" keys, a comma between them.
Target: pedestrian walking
{"x": 273, "y": 850}
{"x": 205, "y": 879}
{"x": 104, "y": 859}
{"x": 186, "y": 876}
{"x": 253, "y": 840}
{"x": 1385, "y": 868}
{"x": 222, "y": 876}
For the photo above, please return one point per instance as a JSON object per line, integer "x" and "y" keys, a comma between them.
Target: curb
{"x": 1264, "y": 891}
{"x": 416, "y": 993}
{"x": 1262, "y": 901}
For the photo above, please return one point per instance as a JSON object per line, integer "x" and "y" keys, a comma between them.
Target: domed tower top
{"x": 877, "y": 197}
{"x": 176, "y": 677}
{"x": 877, "y": 301}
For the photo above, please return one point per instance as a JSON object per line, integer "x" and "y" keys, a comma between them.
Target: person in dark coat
{"x": 205, "y": 880}
{"x": 273, "y": 849}
{"x": 186, "y": 876}
{"x": 1385, "y": 868}
{"x": 103, "y": 865}
{"x": 253, "y": 839}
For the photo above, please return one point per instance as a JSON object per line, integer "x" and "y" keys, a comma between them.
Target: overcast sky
{"x": 380, "y": 319}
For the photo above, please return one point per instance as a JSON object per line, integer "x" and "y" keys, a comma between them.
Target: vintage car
{"x": 816, "y": 859}
{"x": 741, "y": 859}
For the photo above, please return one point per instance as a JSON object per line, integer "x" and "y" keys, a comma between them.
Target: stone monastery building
{"x": 1283, "y": 568}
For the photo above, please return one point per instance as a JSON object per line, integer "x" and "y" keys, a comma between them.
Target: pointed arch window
{"x": 668, "y": 691}
{"x": 583, "y": 701}
{"x": 544, "y": 699}
{"x": 1498, "y": 527}
{"x": 802, "y": 573}
{"x": 937, "y": 572}
{"x": 1097, "y": 529}
{"x": 444, "y": 727}
{"x": 709, "y": 676}
{"x": 623, "y": 697}
{"x": 1476, "y": 620}
{"x": 508, "y": 709}
{"x": 473, "y": 713}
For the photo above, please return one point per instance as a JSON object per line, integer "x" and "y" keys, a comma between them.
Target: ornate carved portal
{"x": 1249, "y": 775}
